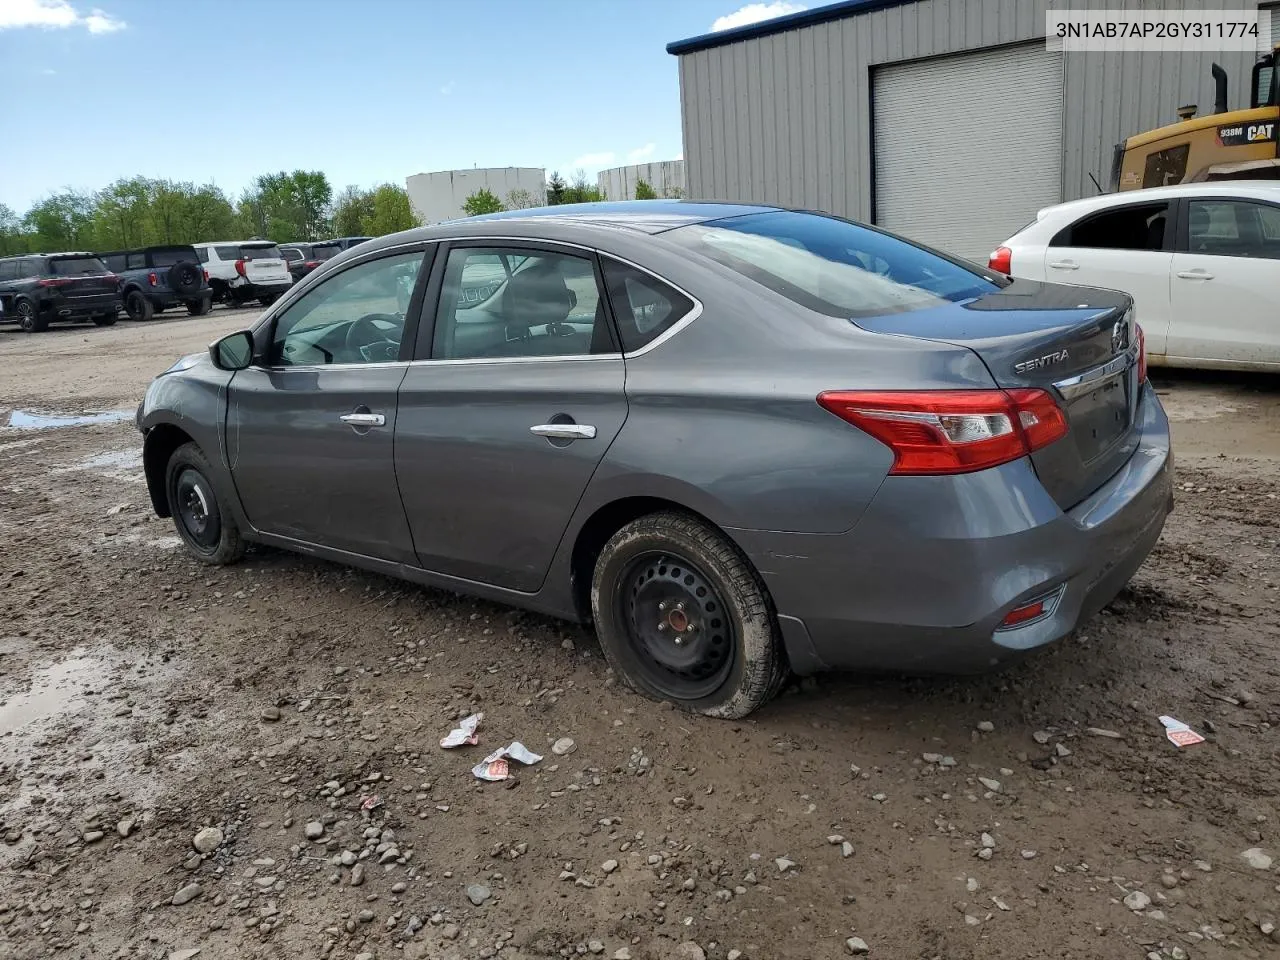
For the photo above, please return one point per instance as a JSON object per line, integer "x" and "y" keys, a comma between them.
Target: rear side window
{"x": 76, "y": 266}
{"x": 834, "y": 266}
{"x": 291, "y": 253}
{"x": 1140, "y": 226}
{"x": 227, "y": 253}
{"x": 136, "y": 261}
{"x": 115, "y": 262}
{"x": 8, "y": 270}
{"x": 325, "y": 251}
{"x": 203, "y": 254}
{"x": 644, "y": 306}
{"x": 172, "y": 255}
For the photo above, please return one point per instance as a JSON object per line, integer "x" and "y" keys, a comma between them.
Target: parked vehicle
{"x": 155, "y": 278}
{"x": 302, "y": 258}
{"x": 346, "y": 243}
{"x": 1201, "y": 261}
{"x": 245, "y": 270}
{"x": 739, "y": 440}
{"x": 38, "y": 289}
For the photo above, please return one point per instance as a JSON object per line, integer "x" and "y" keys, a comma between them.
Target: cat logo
{"x": 1244, "y": 133}
{"x": 1261, "y": 132}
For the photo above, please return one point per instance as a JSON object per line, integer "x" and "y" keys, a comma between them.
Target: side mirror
{"x": 232, "y": 352}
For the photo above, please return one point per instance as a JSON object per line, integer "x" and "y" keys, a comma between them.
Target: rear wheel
{"x": 204, "y": 523}
{"x": 198, "y": 308}
{"x": 29, "y": 318}
{"x": 138, "y": 307}
{"x": 682, "y": 616}
{"x": 267, "y": 299}
{"x": 104, "y": 320}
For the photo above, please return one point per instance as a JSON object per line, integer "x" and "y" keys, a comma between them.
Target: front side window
{"x": 356, "y": 316}
{"x": 8, "y": 270}
{"x": 1139, "y": 226}
{"x": 643, "y": 305}
{"x": 115, "y": 262}
{"x": 1233, "y": 228}
{"x": 833, "y": 266}
{"x": 502, "y": 303}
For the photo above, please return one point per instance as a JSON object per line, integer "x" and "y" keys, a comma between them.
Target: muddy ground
{"x": 144, "y": 697}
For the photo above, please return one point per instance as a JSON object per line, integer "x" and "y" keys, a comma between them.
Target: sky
{"x": 369, "y": 91}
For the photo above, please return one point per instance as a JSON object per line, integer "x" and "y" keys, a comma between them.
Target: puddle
{"x": 54, "y": 690}
{"x": 26, "y": 420}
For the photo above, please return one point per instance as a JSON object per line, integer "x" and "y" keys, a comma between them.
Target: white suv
{"x": 244, "y": 270}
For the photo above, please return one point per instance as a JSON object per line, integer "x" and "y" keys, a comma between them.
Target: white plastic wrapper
{"x": 463, "y": 733}
{"x": 495, "y": 766}
{"x": 1179, "y": 734}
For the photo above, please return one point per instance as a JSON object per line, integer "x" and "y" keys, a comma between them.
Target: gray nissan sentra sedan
{"x": 739, "y": 440}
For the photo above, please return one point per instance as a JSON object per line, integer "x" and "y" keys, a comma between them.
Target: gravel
{"x": 857, "y": 946}
{"x": 186, "y": 894}
{"x": 1258, "y": 859}
{"x": 563, "y": 747}
{"x": 478, "y": 893}
{"x": 1137, "y": 900}
{"x": 207, "y": 840}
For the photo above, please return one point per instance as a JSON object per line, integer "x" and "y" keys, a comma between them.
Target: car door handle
{"x": 1064, "y": 265}
{"x": 565, "y": 431}
{"x": 364, "y": 419}
{"x": 1195, "y": 275}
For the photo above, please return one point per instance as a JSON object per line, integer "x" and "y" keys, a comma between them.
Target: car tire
{"x": 104, "y": 320}
{"x": 185, "y": 277}
{"x": 201, "y": 516}
{"x": 267, "y": 299}
{"x": 682, "y": 616}
{"x": 198, "y": 308}
{"x": 29, "y": 317}
{"x": 138, "y": 307}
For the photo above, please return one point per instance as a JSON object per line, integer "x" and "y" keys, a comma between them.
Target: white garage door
{"x": 968, "y": 148}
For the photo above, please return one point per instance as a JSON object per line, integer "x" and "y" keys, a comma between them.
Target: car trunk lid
{"x": 81, "y": 276}
{"x": 1080, "y": 344}
{"x": 263, "y": 263}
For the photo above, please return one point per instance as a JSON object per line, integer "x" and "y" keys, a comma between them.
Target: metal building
{"x": 665, "y": 176}
{"x": 439, "y": 196}
{"x": 945, "y": 120}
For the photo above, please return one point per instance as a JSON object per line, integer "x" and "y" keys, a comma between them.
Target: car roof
{"x": 235, "y": 243}
{"x": 1258, "y": 189}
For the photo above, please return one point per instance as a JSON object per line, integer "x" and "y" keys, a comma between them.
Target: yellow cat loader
{"x": 1223, "y": 145}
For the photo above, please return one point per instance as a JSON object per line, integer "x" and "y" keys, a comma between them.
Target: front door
{"x": 1225, "y": 279}
{"x": 502, "y": 427}
{"x": 309, "y": 432}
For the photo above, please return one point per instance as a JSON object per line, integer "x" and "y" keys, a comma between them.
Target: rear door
{"x": 503, "y": 420}
{"x": 1226, "y": 277}
{"x": 1127, "y": 247}
{"x": 310, "y": 425}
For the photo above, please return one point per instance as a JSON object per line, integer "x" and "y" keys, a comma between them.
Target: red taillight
{"x": 54, "y": 282}
{"x": 951, "y": 431}
{"x": 1142, "y": 354}
{"x": 151, "y": 279}
{"x": 311, "y": 264}
{"x": 240, "y": 267}
{"x": 1001, "y": 259}
{"x": 206, "y": 275}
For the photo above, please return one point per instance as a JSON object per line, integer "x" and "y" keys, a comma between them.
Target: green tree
{"x": 390, "y": 211}
{"x": 521, "y": 199}
{"x": 209, "y": 215}
{"x": 579, "y": 191}
{"x": 482, "y": 201}
{"x": 351, "y": 210}
{"x": 12, "y": 239}
{"x": 555, "y": 188}
{"x": 63, "y": 221}
{"x": 644, "y": 191}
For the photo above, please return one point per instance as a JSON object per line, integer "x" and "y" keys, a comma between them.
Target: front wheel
{"x": 104, "y": 320}
{"x": 267, "y": 299}
{"x": 204, "y": 522}
{"x": 682, "y": 616}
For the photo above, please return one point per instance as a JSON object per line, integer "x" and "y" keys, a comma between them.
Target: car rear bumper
{"x": 924, "y": 581}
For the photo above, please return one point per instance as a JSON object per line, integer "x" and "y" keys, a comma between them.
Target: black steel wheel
{"x": 679, "y": 624}
{"x": 201, "y": 517}
{"x": 683, "y": 616}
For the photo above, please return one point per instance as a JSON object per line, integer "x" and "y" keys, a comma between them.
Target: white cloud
{"x": 641, "y": 153}
{"x": 46, "y": 72}
{"x": 54, "y": 15}
{"x": 447, "y": 88}
{"x": 590, "y": 161}
{"x": 754, "y": 13}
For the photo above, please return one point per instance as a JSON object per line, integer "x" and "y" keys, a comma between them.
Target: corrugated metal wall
{"x": 787, "y": 118}
{"x": 665, "y": 176}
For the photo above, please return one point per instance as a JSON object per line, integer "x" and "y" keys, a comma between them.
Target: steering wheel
{"x": 365, "y": 337}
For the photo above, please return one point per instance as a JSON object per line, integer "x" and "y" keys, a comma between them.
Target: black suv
{"x": 38, "y": 289}
{"x": 302, "y": 258}
{"x": 155, "y": 278}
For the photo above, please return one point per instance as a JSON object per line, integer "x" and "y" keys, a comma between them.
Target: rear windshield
{"x": 271, "y": 252}
{"x": 833, "y": 266}
{"x": 75, "y": 266}
{"x": 167, "y": 258}
{"x": 325, "y": 252}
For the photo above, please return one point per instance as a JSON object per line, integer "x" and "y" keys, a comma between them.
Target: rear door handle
{"x": 565, "y": 431}
{"x": 364, "y": 419}
{"x": 1065, "y": 265}
{"x": 1195, "y": 275}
